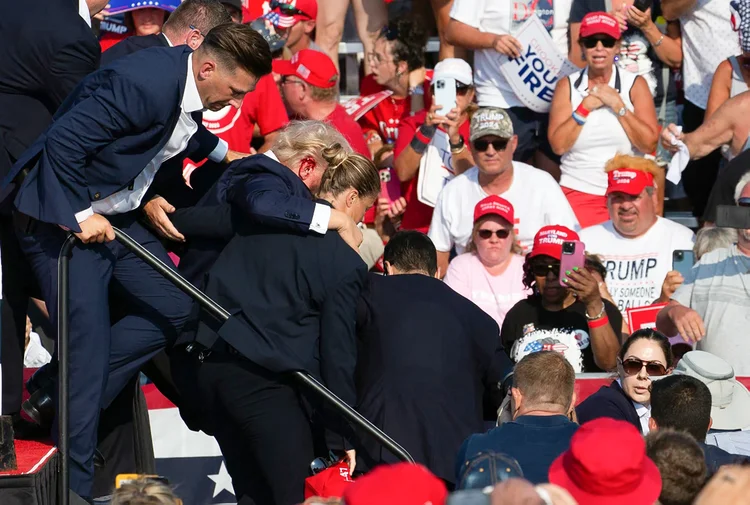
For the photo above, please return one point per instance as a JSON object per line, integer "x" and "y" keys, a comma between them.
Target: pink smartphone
{"x": 390, "y": 186}
{"x": 572, "y": 256}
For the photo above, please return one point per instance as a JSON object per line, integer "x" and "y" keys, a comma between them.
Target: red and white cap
{"x": 494, "y": 205}
{"x": 628, "y": 181}
{"x": 311, "y": 66}
{"x": 548, "y": 241}
{"x": 599, "y": 23}
{"x": 287, "y": 13}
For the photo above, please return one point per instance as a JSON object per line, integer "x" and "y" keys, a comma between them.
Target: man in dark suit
{"x": 426, "y": 357}
{"x": 292, "y": 295}
{"x": 48, "y": 49}
{"x": 98, "y": 159}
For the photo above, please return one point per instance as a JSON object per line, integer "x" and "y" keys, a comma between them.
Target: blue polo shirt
{"x": 534, "y": 441}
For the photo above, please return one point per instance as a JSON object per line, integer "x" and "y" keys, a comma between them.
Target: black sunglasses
{"x": 482, "y": 145}
{"x": 590, "y": 42}
{"x": 287, "y": 9}
{"x": 543, "y": 269}
{"x": 633, "y": 366}
{"x": 486, "y": 234}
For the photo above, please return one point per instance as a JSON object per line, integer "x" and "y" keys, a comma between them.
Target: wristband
{"x": 581, "y": 114}
{"x": 426, "y": 133}
{"x": 598, "y": 323}
{"x": 372, "y": 137}
{"x": 417, "y": 90}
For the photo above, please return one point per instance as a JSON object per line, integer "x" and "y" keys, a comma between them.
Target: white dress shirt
{"x": 322, "y": 212}
{"x": 643, "y": 411}
{"x": 83, "y": 11}
{"x": 129, "y": 198}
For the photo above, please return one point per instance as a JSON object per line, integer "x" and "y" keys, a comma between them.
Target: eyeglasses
{"x": 287, "y": 9}
{"x": 192, "y": 27}
{"x": 482, "y": 145}
{"x": 743, "y": 202}
{"x": 591, "y": 42}
{"x": 286, "y": 80}
{"x": 544, "y": 269}
{"x": 461, "y": 89}
{"x": 633, "y": 366}
{"x": 486, "y": 234}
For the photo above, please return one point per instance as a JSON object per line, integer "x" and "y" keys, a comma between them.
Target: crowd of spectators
{"x": 646, "y": 82}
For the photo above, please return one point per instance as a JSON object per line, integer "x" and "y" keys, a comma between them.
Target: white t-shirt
{"x": 536, "y": 198}
{"x": 707, "y": 40}
{"x": 501, "y": 17}
{"x": 494, "y": 294}
{"x": 636, "y": 267}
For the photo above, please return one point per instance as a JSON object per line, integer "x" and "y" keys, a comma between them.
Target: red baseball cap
{"x": 493, "y": 204}
{"x": 607, "y": 463}
{"x": 629, "y": 181}
{"x": 402, "y": 483}
{"x": 599, "y": 23}
{"x": 287, "y": 13}
{"x": 549, "y": 240}
{"x": 311, "y": 66}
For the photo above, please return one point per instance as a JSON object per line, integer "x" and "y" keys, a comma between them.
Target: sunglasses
{"x": 486, "y": 234}
{"x": 482, "y": 145}
{"x": 744, "y": 202}
{"x": 543, "y": 269}
{"x": 591, "y": 42}
{"x": 287, "y": 9}
{"x": 633, "y": 366}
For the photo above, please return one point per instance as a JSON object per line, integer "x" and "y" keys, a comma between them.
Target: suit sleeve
{"x": 597, "y": 406}
{"x": 71, "y": 64}
{"x": 202, "y": 144}
{"x": 267, "y": 200}
{"x": 113, "y": 110}
{"x": 204, "y": 221}
{"x": 338, "y": 343}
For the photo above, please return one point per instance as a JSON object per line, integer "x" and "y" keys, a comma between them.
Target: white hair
{"x": 744, "y": 181}
{"x": 710, "y": 238}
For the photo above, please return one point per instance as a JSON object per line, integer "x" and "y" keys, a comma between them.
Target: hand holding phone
{"x": 683, "y": 261}
{"x": 444, "y": 94}
{"x": 573, "y": 256}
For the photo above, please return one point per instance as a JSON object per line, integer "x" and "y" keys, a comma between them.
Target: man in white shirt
{"x": 636, "y": 244}
{"x": 536, "y": 197}
{"x": 488, "y": 27}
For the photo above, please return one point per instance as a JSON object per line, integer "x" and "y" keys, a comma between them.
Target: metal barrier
{"x": 212, "y": 308}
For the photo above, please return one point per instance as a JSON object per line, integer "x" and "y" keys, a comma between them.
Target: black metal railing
{"x": 213, "y": 309}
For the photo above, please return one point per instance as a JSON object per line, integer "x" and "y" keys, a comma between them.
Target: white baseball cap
{"x": 455, "y": 68}
{"x": 730, "y": 400}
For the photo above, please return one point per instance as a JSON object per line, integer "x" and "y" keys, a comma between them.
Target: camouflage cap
{"x": 490, "y": 121}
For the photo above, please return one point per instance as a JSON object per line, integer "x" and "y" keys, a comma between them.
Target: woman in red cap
{"x": 572, "y": 318}
{"x": 596, "y": 113}
{"x": 490, "y": 272}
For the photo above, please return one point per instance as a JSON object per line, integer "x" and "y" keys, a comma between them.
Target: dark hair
{"x": 411, "y": 251}
{"x": 409, "y": 39}
{"x": 681, "y": 464}
{"x": 648, "y": 334}
{"x": 592, "y": 262}
{"x": 204, "y": 15}
{"x": 545, "y": 377}
{"x": 235, "y": 44}
{"x": 683, "y": 403}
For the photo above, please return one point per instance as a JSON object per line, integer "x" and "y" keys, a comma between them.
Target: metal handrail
{"x": 212, "y": 308}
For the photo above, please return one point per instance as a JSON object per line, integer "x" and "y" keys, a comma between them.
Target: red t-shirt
{"x": 349, "y": 128}
{"x": 263, "y": 106}
{"x": 385, "y": 117}
{"x": 417, "y": 215}
{"x": 109, "y": 39}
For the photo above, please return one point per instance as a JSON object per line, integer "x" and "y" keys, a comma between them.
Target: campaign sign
{"x": 640, "y": 318}
{"x": 361, "y": 105}
{"x": 534, "y": 74}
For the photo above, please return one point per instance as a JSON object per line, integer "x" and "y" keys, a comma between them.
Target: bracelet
{"x": 416, "y": 90}
{"x": 459, "y": 147}
{"x": 658, "y": 42}
{"x": 600, "y": 314}
{"x": 598, "y": 323}
{"x": 581, "y": 114}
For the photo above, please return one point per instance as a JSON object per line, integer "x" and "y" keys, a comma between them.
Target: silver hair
{"x": 744, "y": 181}
{"x": 713, "y": 237}
{"x": 309, "y": 138}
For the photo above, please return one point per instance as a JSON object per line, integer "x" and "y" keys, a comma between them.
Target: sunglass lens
{"x": 656, "y": 369}
{"x": 481, "y": 145}
{"x": 590, "y": 43}
{"x": 485, "y": 234}
{"x": 632, "y": 366}
{"x": 502, "y": 233}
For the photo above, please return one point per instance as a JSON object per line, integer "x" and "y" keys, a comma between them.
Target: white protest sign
{"x": 534, "y": 74}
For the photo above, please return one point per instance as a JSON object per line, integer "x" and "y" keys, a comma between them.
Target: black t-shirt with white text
{"x": 528, "y": 327}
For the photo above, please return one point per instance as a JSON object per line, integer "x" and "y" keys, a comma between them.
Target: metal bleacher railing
{"x": 215, "y": 310}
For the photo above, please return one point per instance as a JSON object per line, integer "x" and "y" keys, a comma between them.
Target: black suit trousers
{"x": 258, "y": 420}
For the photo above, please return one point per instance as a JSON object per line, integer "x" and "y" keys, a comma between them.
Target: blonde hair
{"x": 324, "y": 94}
{"x": 621, "y": 161}
{"x": 353, "y": 171}
{"x": 144, "y": 492}
{"x": 472, "y": 247}
{"x": 310, "y": 139}
{"x": 708, "y": 239}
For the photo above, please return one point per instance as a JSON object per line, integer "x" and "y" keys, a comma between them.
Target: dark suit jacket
{"x": 47, "y": 49}
{"x": 103, "y": 135}
{"x": 609, "y": 401}
{"x": 426, "y": 355}
{"x": 168, "y": 181}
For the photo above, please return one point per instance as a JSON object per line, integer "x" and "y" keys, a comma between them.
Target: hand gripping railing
{"x": 212, "y": 308}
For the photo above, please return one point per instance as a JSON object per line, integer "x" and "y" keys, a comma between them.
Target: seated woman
{"x": 596, "y": 113}
{"x": 645, "y": 354}
{"x": 490, "y": 272}
{"x": 572, "y": 319}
